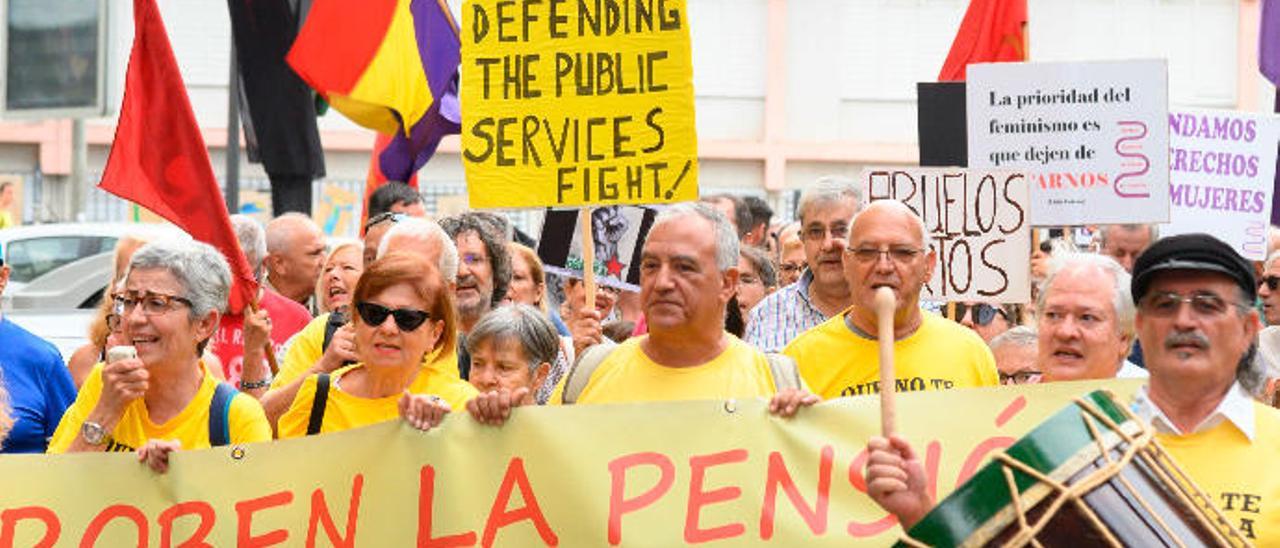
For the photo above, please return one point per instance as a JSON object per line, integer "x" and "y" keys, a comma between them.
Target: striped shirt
{"x": 782, "y": 316}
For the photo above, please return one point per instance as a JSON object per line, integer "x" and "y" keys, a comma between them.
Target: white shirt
{"x": 1236, "y": 407}
{"x": 1129, "y": 370}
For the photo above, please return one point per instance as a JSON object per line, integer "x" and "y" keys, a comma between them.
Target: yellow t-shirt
{"x": 627, "y": 374}
{"x": 344, "y": 411}
{"x": 1241, "y": 477}
{"x": 246, "y": 419}
{"x": 305, "y": 348}
{"x": 834, "y": 361}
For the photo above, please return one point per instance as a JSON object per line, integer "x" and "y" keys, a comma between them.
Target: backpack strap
{"x": 580, "y": 374}
{"x": 785, "y": 373}
{"x": 317, "y": 404}
{"x": 220, "y": 415}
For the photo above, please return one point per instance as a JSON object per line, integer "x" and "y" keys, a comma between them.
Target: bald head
{"x": 295, "y": 255}
{"x": 894, "y": 213}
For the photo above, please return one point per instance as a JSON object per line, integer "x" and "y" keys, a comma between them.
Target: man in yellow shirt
{"x": 1201, "y": 358}
{"x": 889, "y": 247}
{"x": 688, "y": 272}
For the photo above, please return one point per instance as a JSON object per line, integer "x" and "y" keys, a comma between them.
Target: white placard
{"x": 1092, "y": 138}
{"x": 1222, "y": 167}
{"x": 978, "y": 222}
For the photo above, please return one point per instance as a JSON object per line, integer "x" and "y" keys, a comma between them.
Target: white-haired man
{"x": 295, "y": 255}
{"x": 688, "y": 272}
{"x": 1085, "y": 320}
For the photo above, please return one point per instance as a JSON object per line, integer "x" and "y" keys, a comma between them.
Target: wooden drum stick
{"x": 886, "y": 304}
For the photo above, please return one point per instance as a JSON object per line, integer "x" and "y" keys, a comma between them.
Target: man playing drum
{"x": 1200, "y": 357}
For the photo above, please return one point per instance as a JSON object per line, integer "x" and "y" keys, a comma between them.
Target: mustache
{"x": 1194, "y": 338}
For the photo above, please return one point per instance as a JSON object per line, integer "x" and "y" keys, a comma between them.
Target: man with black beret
{"x": 1201, "y": 360}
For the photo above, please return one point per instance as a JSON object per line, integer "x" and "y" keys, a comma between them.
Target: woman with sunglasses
{"x": 405, "y": 338}
{"x": 158, "y": 397}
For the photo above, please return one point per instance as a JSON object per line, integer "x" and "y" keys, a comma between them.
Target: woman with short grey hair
{"x": 157, "y": 395}
{"x": 512, "y": 349}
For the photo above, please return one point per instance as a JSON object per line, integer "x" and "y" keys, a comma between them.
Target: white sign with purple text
{"x": 1222, "y": 167}
{"x": 1092, "y": 137}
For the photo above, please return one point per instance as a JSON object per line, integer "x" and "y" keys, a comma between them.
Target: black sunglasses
{"x": 983, "y": 313}
{"x": 407, "y": 319}
{"x": 1272, "y": 282}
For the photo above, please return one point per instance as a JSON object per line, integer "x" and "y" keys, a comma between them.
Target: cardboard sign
{"x": 618, "y": 233}
{"x": 1092, "y": 137}
{"x": 1222, "y": 167}
{"x": 577, "y": 103}
{"x": 979, "y": 226}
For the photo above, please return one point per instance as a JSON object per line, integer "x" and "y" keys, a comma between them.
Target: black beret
{"x": 1200, "y": 252}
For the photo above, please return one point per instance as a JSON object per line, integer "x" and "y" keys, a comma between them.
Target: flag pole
{"x": 588, "y": 257}
{"x": 268, "y": 349}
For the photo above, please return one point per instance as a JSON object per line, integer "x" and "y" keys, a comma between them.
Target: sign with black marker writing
{"x": 1092, "y": 137}
{"x": 979, "y": 228}
{"x": 568, "y": 103}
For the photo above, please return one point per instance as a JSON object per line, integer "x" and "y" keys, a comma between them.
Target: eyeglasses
{"x": 790, "y": 268}
{"x": 900, "y": 255}
{"x": 817, "y": 233}
{"x": 1272, "y": 282}
{"x": 1166, "y": 304}
{"x": 407, "y": 319}
{"x": 153, "y": 304}
{"x": 1026, "y": 376}
{"x": 983, "y": 313}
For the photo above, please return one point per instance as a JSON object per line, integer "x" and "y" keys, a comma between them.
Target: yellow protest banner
{"x": 569, "y": 103}
{"x": 637, "y": 475}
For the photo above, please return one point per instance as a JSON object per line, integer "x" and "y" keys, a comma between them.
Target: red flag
{"x": 158, "y": 159}
{"x": 992, "y": 31}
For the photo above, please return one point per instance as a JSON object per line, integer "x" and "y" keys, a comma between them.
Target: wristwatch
{"x": 93, "y": 433}
{"x": 254, "y": 385}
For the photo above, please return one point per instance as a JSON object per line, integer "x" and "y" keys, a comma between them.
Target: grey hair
{"x": 726, "y": 239}
{"x": 1122, "y": 300}
{"x": 1022, "y": 335}
{"x": 762, "y": 264}
{"x": 425, "y": 231}
{"x": 1270, "y": 259}
{"x": 1153, "y": 232}
{"x": 198, "y": 267}
{"x": 521, "y": 323}
{"x": 1251, "y": 371}
{"x": 827, "y": 189}
{"x": 253, "y": 241}
{"x": 925, "y": 239}
{"x": 278, "y": 236}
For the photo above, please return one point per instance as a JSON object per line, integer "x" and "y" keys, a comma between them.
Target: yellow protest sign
{"x": 570, "y": 103}
{"x": 637, "y": 475}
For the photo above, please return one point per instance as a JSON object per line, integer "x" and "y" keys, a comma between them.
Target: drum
{"x": 1091, "y": 475}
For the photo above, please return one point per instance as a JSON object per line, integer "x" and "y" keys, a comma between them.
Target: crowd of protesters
{"x": 422, "y": 317}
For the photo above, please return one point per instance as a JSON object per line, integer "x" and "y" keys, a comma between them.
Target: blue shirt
{"x": 782, "y": 316}
{"x": 39, "y": 385}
